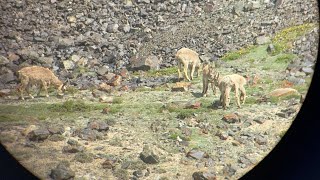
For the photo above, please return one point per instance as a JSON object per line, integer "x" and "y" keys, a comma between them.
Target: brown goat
{"x": 188, "y": 57}
{"x": 39, "y": 76}
{"x": 228, "y": 82}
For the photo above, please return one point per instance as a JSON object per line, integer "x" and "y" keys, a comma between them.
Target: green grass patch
{"x": 237, "y": 54}
{"x": 285, "y": 58}
{"x": 283, "y": 39}
{"x": 75, "y": 106}
{"x": 156, "y": 73}
{"x": 117, "y": 100}
{"x": 42, "y": 111}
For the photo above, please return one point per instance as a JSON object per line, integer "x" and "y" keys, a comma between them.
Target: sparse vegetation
{"x": 283, "y": 39}
{"x": 156, "y": 73}
{"x": 237, "y": 54}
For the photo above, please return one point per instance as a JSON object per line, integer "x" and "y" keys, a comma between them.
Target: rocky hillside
{"x": 124, "y": 115}
{"x": 100, "y": 36}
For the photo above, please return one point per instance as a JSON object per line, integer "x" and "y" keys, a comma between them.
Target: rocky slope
{"x": 104, "y": 36}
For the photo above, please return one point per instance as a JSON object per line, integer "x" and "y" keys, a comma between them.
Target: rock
{"x": 124, "y": 73}
{"x": 68, "y": 64}
{"x": 5, "y": 93}
{"x": 145, "y": 63}
{"x": 259, "y": 119}
{"x": 12, "y": 57}
{"x": 138, "y": 173}
{"x": 106, "y": 99}
{"x": 229, "y": 170}
{"x": 222, "y": 135}
{"x": 295, "y": 80}
{"x": 7, "y": 77}
{"x": 112, "y": 28}
{"x": 98, "y": 125}
{"x": 3, "y": 61}
{"x": 83, "y": 157}
{"x": 28, "y": 54}
{"x": 65, "y": 42}
{"x": 286, "y": 113}
{"x": 181, "y": 86}
{"x": 261, "y": 140}
{"x": 38, "y": 134}
{"x": 307, "y": 70}
{"x": 105, "y": 87}
{"x": 283, "y": 92}
{"x": 262, "y": 40}
{"x": 148, "y": 156}
{"x": 116, "y": 81}
{"x": 196, "y": 154}
{"x": 238, "y": 8}
{"x": 72, "y": 142}
{"x": 109, "y": 163}
{"x": 62, "y": 172}
{"x": 73, "y": 149}
{"x": 89, "y": 134}
{"x": 193, "y": 105}
{"x": 71, "y": 19}
{"x": 204, "y": 176}
{"x": 56, "y": 138}
{"x": 102, "y": 70}
{"x": 56, "y": 129}
{"x": 270, "y": 48}
{"x": 231, "y": 118}
{"x": 27, "y": 130}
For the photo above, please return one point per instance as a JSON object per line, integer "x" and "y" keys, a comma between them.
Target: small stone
{"x": 105, "y": 87}
{"x": 148, "y": 156}
{"x": 62, "y": 172}
{"x": 56, "y": 138}
{"x": 261, "y": 140}
{"x": 222, "y": 135}
{"x": 71, "y": 19}
{"x": 3, "y": 60}
{"x": 83, "y": 157}
{"x": 262, "y": 40}
{"x": 204, "y": 176}
{"x": 193, "y": 105}
{"x": 68, "y": 64}
{"x": 259, "y": 120}
{"x": 109, "y": 163}
{"x": 38, "y": 134}
{"x": 196, "y": 154}
{"x": 73, "y": 149}
{"x": 283, "y": 92}
{"x": 231, "y": 118}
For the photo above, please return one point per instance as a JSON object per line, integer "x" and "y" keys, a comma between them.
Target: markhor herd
{"x": 186, "y": 59}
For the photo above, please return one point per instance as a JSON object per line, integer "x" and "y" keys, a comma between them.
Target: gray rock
{"x": 7, "y": 77}
{"x": 204, "y": 176}
{"x": 38, "y": 134}
{"x": 98, "y": 125}
{"x": 62, "y": 172}
{"x": 68, "y": 64}
{"x": 73, "y": 149}
{"x": 3, "y": 61}
{"x": 89, "y": 134}
{"x": 197, "y": 154}
{"x": 262, "y": 40}
{"x": 83, "y": 157}
{"x": 145, "y": 63}
{"x": 229, "y": 170}
{"x": 56, "y": 138}
{"x": 307, "y": 70}
{"x": 112, "y": 28}
{"x": 261, "y": 140}
{"x": 148, "y": 156}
